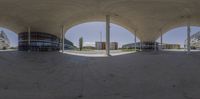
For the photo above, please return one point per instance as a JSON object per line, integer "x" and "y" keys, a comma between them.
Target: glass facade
{"x": 38, "y": 42}
{"x": 149, "y": 45}
{"x": 143, "y": 45}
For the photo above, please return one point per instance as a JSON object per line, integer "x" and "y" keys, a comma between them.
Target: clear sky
{"x": 91, "y": 33}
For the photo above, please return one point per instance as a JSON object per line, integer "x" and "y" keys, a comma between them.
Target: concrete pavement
{"x": 142, "y": 75}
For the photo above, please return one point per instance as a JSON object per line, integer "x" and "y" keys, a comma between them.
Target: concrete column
{"x": 63, "y": 39}
{"x": 108, "y": 35}
{"x": 60, "y": 44}
{"x": 29, "y": 38}
{"x": 155, "y": 49}
{"x": 188, "y": 37}
{"x": 161, "y": 40}
{"x": 140, "y": 45}
{"x": 135, "y": 40}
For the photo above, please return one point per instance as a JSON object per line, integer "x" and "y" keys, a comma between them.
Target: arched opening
{"x": 8, "y": 40}
{"x": 92, "y": 35}
{"x": 176, "y": 39}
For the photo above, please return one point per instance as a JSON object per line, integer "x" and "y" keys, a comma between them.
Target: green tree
{"x": 81, "y": 43}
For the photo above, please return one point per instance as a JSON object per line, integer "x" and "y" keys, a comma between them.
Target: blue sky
{"x": 91, "y": 33}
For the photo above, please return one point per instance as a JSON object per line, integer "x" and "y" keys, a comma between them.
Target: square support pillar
{"x": 108, "y": 35}
{"x": 63, "y": 40}
{"x": 140, "y": 45}
{"x": 135, "y": 40}
{"x": 188, "y": 38}
{"x": 161, "y": 40}
{"x": 155, "y": 46}
{"x": 29, "y": 38}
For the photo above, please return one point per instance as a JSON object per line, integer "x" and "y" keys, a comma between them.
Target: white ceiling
{"x": 147, "y": 17}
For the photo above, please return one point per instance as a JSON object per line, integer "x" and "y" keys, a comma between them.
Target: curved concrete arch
{"x": 181, "y": 22}
{"x": 115, "y": 19}
{"x": 88, "y": 21}
{"x": 12, "y": 25}
{"x": 100, "y": 19}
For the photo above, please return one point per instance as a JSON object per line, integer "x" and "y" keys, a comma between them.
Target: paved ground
{"x": 142, "y": 75}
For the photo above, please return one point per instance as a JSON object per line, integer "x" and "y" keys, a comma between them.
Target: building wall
{"x": 143, "y": 45}
{"x": 195, "y": 41}
{"x": 113, "y": 46}
{"x": 68, "y": 45}
{"x": 4, "y": 41}
{"x": 102, "y": 45}
{"x": 131, "y": 46}
{"x": 171, "y": 46}
{"x": 39, "y": 42}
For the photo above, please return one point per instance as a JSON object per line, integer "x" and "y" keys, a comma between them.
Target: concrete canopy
{"x": 147, "y": 17}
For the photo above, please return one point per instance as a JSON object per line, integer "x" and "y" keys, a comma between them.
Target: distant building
{"x": 143, "y": 45}
{"x": 150, "y": 45}
{"x": 131, "y": 45}
{"x": 4, "y": 41}
{"x": 69, "y": 45}
{"x": 39, "y": 41}
{"x": 195, "y": 41}
{"x": 89, "y": 47}
{"x": 113, "y": 46}
{"x": 102, "y": 45}
{"x": 170, "y": 46}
